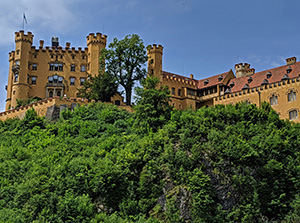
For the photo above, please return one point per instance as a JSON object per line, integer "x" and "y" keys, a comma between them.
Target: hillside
{"x": 219, "y": 164}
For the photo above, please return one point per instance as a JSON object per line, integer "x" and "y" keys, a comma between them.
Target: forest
{"x": 97, "y": 163}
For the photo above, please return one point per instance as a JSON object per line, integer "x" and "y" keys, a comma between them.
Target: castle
{"x": 55, "y": 72}
{"x": 279, "y": 86}
{"x": 51, "y": 71}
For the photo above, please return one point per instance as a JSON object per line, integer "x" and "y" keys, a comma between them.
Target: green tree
{"x": 153, "y": 109}
{"x": 101, "y": 87}
{"x": 125, "y": 60}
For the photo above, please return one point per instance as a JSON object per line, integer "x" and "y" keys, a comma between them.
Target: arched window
{"x": 58, "y": 93}
{"x": 50, "y": 94}
{"x": 293, "y": 114}
{"x": 292, "y": 96}
{"x": 273, "y": 100}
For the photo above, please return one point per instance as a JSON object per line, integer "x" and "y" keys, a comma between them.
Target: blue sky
{"x": 199, "y": 37}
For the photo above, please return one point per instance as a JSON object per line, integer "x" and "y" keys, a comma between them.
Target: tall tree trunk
{"x": 128, "y": 96}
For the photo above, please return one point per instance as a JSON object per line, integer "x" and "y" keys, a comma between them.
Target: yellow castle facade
{"x": 51, "y": 71}
{"x": 278, "y": 86}
{"x": 57, "y": 72}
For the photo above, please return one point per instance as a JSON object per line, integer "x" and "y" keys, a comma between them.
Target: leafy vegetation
{"x": 218, "y": 164}
{"x": 100, "y": 88}
{"x": 125, "y": 60}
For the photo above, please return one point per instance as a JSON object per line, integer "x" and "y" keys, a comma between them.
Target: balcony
{"x": 55, "y": 85}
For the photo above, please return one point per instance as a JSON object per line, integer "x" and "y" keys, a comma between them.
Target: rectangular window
{"x": 173, "y": 90}
{"x": 72, "y": 67}
{"x": 179, "y": 92}
{"x": 72, "y": 81}
{"x": 292, "y": 96}
{"x": 82, "y": 80}
{"x": 33, "y": 80}
{"x": 82, "y": 68}
{"x": 16, "y": 78}
{"x": 60, "y": 79}
{"x": 273, "y": 100}
{"x": 50, "y": 80}
{"x": 34, "y": 66}
{"x": 293, "y": 114}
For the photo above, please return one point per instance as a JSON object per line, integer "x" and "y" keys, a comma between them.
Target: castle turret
{"x": 241, "y": 69}
{"x": 18, "y": 87}
{"x": 95, "y": 44}
{"x": 155, "y": 53}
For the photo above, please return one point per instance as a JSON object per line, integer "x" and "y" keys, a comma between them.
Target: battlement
{"x": 60, "y": 49}
{"x": 155, "y": 49}
{"x": 181, "y": 80}
{"x": 241, "y": 66}
{"x": 291, "y": 60}
{"x": 11, "y": 56}
{"x": 241, "y": 69}
{"x": 21, "y": 36}
{"x": 96, "y": 39}
{"x": 250, "y": 71}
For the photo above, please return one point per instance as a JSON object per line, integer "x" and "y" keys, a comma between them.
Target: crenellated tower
{"x": 242, "y": 69}
{"x": 95, "y": 44}
{"x": 155, "y": 53}
{"x": 18, "y": 87}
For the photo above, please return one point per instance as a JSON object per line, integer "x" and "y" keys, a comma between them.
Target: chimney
{"x": 41, "y": 44}
{"x": 191, "y": 76}
{"x": 291, "y": 60}
{"x": 55, "y": 42}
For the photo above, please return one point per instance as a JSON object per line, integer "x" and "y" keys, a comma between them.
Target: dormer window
{"x": 231, "y": 84}
{"x": 269, "y": 74}
{"x": 246, "y": 86}
{"x": 265, "y": 82}
{"x": 288, "y": 70}
{"x": 250, "y": 79}
{"x": 285, "y": 77}
{"x": 220, "y": 78}
{"x": 206, "y": 82}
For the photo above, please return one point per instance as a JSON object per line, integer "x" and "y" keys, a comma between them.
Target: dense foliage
{"x": 100, "y": 87}
{"x": 219, "y": 164}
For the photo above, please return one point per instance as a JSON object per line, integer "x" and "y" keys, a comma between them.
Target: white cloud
{"x": 55, "y": 15}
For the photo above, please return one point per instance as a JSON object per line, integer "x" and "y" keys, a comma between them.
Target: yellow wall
{"x": 260, "y": 94}
{"x": 26, "y": 56}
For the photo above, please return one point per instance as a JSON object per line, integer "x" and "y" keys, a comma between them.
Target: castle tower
{"x": 241, "y": 69}
{"x": 154, "y": 54}
{"x": 18, "y": 87}
{"x": 95, "y": 44}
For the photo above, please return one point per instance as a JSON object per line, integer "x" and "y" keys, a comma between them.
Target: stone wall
{"x": 50, "y": 108}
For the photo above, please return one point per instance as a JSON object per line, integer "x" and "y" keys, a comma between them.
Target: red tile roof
{"x": 260, "y": 77}
{"x": 211, "y": 81}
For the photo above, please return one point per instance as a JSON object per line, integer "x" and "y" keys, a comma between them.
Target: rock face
{"x": 53, "y": 112}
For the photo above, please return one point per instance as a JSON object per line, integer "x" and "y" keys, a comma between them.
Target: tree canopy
{"x": 125, "y": 60}
{"x": 235, "y": 163}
